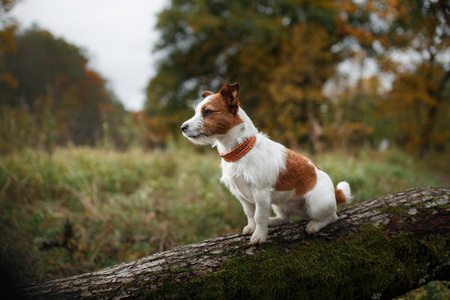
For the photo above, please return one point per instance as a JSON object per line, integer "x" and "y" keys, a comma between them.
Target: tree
{"x": 8, "y": 28}
{"x": 283, "y": 53}
{"x": 418, "y": 99}
{"x": 354, "y": 116}
{"x": 42, "y": 61}
{"x": 64, "y": 101}
{"x": 306, "y": 64}
{"x": 419, "y": 31}
{"x": 255, "y": 42}
{"x": 383, "y": 247}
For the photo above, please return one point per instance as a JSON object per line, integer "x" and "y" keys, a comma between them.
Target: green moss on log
{"x": 360, "y": 265}
{"x": 436, "y": 290}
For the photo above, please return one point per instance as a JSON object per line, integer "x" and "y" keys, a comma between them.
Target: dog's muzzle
{"x": 193, "y": 134}
{"x": 187, "y": 133}
{"x": 184, "y": 128}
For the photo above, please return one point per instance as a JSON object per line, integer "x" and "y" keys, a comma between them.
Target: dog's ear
{"x": 230, "y": 93}
{"x": 206, "y": 94}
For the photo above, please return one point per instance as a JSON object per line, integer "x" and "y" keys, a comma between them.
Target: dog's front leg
{"x": 249, "y": 209}
{"x": 262, "y": 214}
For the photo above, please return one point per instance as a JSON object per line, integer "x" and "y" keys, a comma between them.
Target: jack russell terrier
{"x": 260, "y": 172}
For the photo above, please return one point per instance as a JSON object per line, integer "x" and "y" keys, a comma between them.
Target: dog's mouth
{"x": 199, "y": 135}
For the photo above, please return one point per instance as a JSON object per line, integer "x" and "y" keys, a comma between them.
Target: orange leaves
{"x": 354, "y": 131}
{"x": 9, "y": 80}
{"x": 416, "y": 100}
{"x": 7, "y": 43}
{"x": 284, "y": 53}
{"x": 105, "y": 107}
{"x": 8, "y": 27}
{"x": 306, "y": 63}
{"x": 406, "y": 38}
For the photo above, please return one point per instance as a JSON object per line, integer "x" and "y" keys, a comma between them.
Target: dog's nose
{"x": 184, "y": 127}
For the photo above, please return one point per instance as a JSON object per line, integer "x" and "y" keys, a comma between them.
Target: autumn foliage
{"x": 288, "y": 55}
{"x": 314, "y": 74}
{"x": 50, "y": 97}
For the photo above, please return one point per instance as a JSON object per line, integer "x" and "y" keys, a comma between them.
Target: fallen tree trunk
{"x": 377, "y": 249}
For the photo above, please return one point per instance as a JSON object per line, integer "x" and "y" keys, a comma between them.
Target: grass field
{"x": 84, "y": 209}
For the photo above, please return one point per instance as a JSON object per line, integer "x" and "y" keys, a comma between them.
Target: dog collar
{"x": 241, "y": 149}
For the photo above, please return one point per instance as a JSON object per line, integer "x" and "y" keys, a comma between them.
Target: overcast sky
{"x": 117, "y": 35}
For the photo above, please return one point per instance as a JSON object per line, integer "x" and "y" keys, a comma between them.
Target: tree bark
{"x": 377, "y": 249}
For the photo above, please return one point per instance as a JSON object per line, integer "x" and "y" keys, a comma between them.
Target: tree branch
{"x": 379, "y": 248}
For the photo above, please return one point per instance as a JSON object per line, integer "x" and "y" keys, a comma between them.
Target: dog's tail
{"x": 343, "y": 193}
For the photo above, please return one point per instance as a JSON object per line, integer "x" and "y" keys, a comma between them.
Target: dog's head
{"x": 214, "y": 115}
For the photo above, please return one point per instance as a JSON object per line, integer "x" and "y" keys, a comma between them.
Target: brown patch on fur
{"x": 340, "y": 197}
{"x": 299, "y": 174}
{"x": 221, "y": 119}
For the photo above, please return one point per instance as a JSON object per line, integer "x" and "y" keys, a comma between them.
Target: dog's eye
{"x": 207, "y": 112}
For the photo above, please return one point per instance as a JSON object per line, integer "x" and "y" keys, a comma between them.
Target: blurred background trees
{"x": 56, "y": 99}
{"x": 314, "y": 74}
{"x": 285, "y": 54}
{"x": 410, "y": 41}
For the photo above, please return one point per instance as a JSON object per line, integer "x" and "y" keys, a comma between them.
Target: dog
{"x": 261, "y": 173}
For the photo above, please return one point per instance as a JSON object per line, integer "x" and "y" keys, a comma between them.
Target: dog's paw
{"x": 255, "y": 240}
{"x": 258, "y": 237}
{"x": 313, "y": 227}
{"x": 249, "y": 229}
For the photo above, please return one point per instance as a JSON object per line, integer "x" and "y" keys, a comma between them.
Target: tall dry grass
{"x": 83, "y": 209}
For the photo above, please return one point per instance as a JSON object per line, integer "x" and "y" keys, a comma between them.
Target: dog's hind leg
{"x": 321, "y": 204}
{"x": 315, "y": 225}
{"x": 283, "y": 217}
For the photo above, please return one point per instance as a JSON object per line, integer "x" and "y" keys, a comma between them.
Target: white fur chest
{"x": 257, "y": 171}
{"x": 238, "y": 187}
